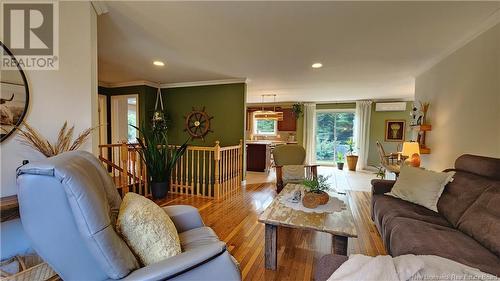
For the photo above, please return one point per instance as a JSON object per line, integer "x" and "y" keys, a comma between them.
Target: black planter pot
{"x": 159, "y": 189}
{"x": 340, "y": 166}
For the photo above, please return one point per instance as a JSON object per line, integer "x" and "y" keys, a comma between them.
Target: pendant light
{"x": 268, "y": 114}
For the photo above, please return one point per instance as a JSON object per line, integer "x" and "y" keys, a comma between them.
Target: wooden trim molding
{"x": 9, "y": 208}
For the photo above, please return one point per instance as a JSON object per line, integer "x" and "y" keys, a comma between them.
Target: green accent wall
{"x": 226, "y": 103}
{"x": 377, "y": 131}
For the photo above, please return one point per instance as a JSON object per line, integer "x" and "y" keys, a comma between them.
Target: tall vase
{"x": 159, "y": 189}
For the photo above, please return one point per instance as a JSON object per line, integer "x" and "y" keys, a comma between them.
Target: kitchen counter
{"x": 259, "y": 153}
{"x": 270, "y": 142}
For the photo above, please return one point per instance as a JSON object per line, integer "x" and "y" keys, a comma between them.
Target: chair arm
{"x": 381, "y": 186}
{"x": 184, "y": 217}
{"x": 178, "y": 264}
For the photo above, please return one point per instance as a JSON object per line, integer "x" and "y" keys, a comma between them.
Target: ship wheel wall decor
{"x": 198, "y": 124}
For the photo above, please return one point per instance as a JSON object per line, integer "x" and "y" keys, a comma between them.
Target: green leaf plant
{"x": 160, "y": 158}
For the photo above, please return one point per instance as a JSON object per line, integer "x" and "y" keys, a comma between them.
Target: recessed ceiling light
{"x": 158, "y": 63}
{"x": 317, "y": 65}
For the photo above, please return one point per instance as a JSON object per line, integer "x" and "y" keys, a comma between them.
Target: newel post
{"x": 124, "y": 164}
{"x": 240, "y": 163}
{"x": 217, "y": 170}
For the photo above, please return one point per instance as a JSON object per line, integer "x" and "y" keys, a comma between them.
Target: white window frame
{"x": 334, "y": 110}
{"x": 255, "y": 133}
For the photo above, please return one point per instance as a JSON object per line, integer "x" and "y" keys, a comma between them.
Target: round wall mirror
{"x": 14, "y": 96}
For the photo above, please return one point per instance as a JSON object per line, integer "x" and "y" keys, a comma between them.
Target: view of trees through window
{"x": 132, "y": 119}
{"x": 265, "y": 127}
{"x": 333, "y": 130}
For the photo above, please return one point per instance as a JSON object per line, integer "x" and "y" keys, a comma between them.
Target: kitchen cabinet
{"x": 258, "y": 156}
{"x": 289, "y": 122}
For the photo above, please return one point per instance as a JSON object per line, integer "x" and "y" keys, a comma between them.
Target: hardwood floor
{"x": 234, "y": 219}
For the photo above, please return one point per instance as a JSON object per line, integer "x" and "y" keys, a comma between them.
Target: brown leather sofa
{"x": 466, "y": 228}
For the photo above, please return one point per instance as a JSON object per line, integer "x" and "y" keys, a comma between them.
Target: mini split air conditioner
{"x": 390, "y": 106}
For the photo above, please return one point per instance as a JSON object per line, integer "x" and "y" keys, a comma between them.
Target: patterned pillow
{"x": 147, "y": 229}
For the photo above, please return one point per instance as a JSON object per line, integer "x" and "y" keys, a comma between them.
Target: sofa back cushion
{"x": 459, "y": 195}
{"x": 481, "y": 220}
{"x": 473, "y": 175}
{"x": 480, "y": 165}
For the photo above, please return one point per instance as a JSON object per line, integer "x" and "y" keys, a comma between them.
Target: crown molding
{"x": 128, "y": 84}
{"x": 204, "y": 83}
{"x": 100, "y": 7}
{"x": 171, "y": 85}
{"x": 488, "y": 23}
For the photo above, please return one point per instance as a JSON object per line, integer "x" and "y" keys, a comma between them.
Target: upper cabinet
{"x": 289, "y": 122}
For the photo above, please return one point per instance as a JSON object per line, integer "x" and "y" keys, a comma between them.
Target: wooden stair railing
{"x": 206, "y": 171}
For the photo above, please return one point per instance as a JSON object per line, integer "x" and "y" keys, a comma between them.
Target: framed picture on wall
{"x": 395, "y": 130}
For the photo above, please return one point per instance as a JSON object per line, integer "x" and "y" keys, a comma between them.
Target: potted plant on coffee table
{"x": 159, "y": 157}
{"x": 352, "y": 160}
{"x": 340, "y": 160}
{"x": 315, "y": 194}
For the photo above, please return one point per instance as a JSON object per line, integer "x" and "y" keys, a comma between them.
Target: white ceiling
{"x": 368, "y": 49}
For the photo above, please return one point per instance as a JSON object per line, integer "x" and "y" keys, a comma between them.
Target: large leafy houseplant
{"x": 159, "y": 157}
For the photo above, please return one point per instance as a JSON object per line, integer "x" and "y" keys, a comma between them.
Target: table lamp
{"x": 412, "y": 151}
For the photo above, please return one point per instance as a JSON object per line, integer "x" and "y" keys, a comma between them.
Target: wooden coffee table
{"x": 339, "y": 224}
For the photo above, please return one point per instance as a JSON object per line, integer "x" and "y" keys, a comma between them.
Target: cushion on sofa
{"x": 387, "y": 208}
{"x": 419, "y": 186}
{"x": 459, "y": 195}
{"x": 147, "y": 229}
{"x": 410, "y": 236}
{"x": 481, "y": 221}
{"x": 480, "y": 165}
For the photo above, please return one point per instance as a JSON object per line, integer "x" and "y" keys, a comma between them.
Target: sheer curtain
{"x": 362, "y": 131}
{"x": 310, "y": 132}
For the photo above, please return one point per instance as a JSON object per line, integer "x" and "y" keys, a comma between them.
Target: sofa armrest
{"x": 382, "y": 186}
{"x": 327, "y": 265}
{"x": 184, "y": 217}
{"x": 178, "y": 264}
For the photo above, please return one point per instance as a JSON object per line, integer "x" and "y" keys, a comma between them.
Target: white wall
{"x": 69, "y": 93}
{"x": 464, "y": 92}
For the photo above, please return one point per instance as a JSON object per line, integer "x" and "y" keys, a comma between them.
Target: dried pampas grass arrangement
{"x": 30, "y": 137}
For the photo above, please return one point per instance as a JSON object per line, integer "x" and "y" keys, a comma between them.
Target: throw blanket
{"x": 406, "y": 267}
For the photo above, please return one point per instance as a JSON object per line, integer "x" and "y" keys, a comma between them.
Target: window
{"x": 333, "y": 130}
{"x": 265, "y": 127}
{"x": 132, "y": 119}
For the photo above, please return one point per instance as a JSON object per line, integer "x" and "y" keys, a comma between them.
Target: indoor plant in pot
{"x": 352, "y": 160}
{"x": 340, "y": 160}
{"x": 315, "y": 192}
{"x": 159, "y": 158}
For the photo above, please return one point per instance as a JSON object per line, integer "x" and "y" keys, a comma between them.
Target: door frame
{"x": 332, "y": 110}
{"x": 113, "y": 120}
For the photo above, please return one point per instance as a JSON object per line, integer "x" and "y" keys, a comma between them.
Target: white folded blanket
{"x": 405, "y": 267}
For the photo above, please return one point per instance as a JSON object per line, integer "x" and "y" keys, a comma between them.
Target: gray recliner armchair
{"x": 69, "y": 204}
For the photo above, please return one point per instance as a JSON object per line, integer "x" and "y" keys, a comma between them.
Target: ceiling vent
{"x": 390, "y": 106}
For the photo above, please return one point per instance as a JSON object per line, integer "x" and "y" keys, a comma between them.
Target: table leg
{"x": 339, "y": 245}
{"x": 271, "y": 249}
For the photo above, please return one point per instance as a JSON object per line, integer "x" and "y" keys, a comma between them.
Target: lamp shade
{"x": 410, "y": 148}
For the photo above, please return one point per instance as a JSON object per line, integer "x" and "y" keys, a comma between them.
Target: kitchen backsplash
{"x": 282, "y": 135}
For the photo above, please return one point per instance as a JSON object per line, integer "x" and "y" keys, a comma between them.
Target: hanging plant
{"x": 160, "y": 118}
{"x": 297, "y": 109}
